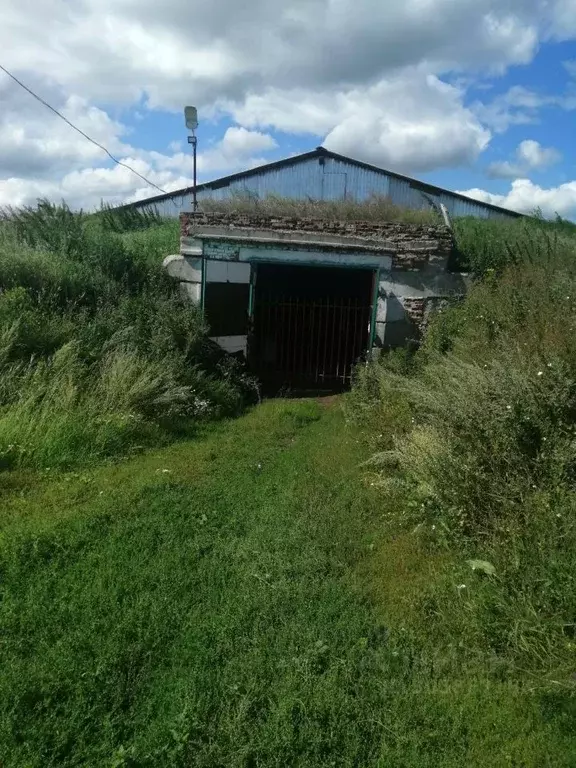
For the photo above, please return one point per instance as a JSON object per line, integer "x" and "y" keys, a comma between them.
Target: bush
{"x": 99, "y": 354}
{"x": 482, "y": 441}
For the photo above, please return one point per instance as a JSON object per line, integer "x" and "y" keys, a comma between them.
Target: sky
{"x": 478, "y": 96}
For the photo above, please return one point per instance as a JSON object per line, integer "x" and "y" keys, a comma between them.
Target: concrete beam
{"x": 320, "y": 258}
{"x": 274, "y": 237}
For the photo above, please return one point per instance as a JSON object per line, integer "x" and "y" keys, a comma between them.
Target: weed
{"x": 481, "y": 454}
{"x": 186, "y": 608}
{"x": 99, "y": 354}
{"x": 375, "y": 208}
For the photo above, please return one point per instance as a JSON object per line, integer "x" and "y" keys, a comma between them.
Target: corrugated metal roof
{"x": 298, "y": 177}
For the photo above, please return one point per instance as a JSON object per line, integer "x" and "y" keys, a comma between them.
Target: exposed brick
{"x": 420, "y": 310}
{"x": 414, "y": 244}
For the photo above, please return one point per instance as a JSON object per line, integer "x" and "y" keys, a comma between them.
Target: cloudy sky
{"x": 474, "y": 95}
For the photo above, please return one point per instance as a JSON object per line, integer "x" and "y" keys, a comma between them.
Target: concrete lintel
{"x": 320, "y": 258}
{"x": 286, "y": 239}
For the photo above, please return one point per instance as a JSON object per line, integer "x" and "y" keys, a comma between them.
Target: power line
{"x": 81, "y": 132}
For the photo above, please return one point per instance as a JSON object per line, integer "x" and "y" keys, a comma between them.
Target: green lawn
{"x": 222, "y": 603}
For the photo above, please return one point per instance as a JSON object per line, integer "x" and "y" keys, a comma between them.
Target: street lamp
{"x": 191, "y": 117}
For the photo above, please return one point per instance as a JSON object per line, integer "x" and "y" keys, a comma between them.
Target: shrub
{"x": 484, "y": 452}
{"x": 99, "y": 353}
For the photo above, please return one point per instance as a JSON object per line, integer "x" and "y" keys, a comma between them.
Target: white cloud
{"x": 239, "y": 141}
{"x": 564, "y": 19}
{"x": 86, "y": 187}
{"x": 120, "y": 49}
{"x": 411, "y": 125}
{"x": 530, "y": 156}
{"x": 518, "y": 106}
{"x": 365, "y": 74}
{"x": 525, "y": 196}
{"x": 412, "y": 122}
{"x": 535, "y": 155}
{"x": 35, "y": 142}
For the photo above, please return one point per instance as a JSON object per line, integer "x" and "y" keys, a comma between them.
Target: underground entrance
{"x": 309, "y": 325}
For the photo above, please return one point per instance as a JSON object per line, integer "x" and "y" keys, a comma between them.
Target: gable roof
{"x": 319, "y": 152}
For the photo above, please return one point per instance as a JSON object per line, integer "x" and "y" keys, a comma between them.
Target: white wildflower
{"x": 461, "y": 586}
{"x": 540, "y": 373}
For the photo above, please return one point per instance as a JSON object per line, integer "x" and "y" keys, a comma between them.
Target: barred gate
{"x": 307, "y": 342}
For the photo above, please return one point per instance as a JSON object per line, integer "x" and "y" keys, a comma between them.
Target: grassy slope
{"x": 218, "y": 614}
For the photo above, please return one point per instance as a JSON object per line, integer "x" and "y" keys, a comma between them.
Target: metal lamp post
{"x": 191, "y": 116}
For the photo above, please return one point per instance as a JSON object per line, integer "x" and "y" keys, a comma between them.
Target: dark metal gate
{"x": 308, "y": 342}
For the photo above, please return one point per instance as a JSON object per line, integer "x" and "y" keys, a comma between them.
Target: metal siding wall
{"x": 328, "y": 181}
{"x": 360, "y": 183}
{"x": 296, "y": 181}
{"x": 405, "y": 196}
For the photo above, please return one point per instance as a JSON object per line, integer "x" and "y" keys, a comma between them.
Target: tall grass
{"x": 485, "y": 245}
{"x": 482, "y": 443}
{"x": 98, "y": 353}
{"x": 375, "y": 208}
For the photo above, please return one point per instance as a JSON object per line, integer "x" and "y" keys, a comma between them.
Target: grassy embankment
{"x": 99, "y": 356}
{"x": 260, "y": 596}
{"x": 475, "y": 436}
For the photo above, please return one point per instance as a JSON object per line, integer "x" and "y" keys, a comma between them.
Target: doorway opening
{"x": 310, "y": 325}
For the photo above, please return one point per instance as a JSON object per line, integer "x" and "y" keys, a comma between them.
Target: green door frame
{"x": 375, "y": 293}
{"x": 203, "y": 285}
{"x": 251, "y": 298}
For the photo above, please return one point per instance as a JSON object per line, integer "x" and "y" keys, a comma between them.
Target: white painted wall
{"x": 227, "y": 271}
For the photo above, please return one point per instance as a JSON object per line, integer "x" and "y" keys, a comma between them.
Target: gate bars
{"x": 317, "y": 341}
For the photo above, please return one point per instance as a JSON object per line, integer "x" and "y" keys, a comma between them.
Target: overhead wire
{"x": 85, "y": 135}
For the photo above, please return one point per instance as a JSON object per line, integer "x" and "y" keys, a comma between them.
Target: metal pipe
{"x": 194, "y": 147}
{"x": 194, "y": 141}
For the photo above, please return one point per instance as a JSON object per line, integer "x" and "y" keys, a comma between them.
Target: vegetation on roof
{"x": 375, "y": 208}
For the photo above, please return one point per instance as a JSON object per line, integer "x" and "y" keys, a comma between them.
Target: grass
{"x": 237, "y": 601}
{"x": 494, "y": 244}
{"x": 99, "y": 355}
{"x": 388, "y": 586}
{"x": 474, "y": 437}
{"x": 375, "y": 208}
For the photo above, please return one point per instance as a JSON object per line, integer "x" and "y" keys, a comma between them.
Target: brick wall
{"x": 421, "y": 310}
{"x": 414, "y": 244}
